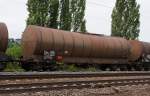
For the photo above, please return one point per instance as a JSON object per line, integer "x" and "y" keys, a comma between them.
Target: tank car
{"x": 44, "y": 47}
{"x": 71, "y": 47}
{"x": 3, "y": 44}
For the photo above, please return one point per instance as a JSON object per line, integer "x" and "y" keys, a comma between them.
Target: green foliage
{"x": 14, "y": 50}
{"x": 92, "y": 69}
{"x": 65, "y": 15}
{"x": 78, "y": 13}
{"x": 13, "y": 67}
{"x": 74, "y": 68}
{"x": 37, "y": 12}
{"x": 83, "y": 27}
{"x": 59, "y": 14}
{"x": 125, "y": 19}
{"x": 53, "y": 13}
{"x": 72, "y": 15}
{"x": 67, "y": 67}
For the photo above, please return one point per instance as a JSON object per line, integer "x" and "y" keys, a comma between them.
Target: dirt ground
{"x": 140, "y": 90}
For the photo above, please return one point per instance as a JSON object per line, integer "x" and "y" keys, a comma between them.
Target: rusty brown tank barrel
{"x": 3, "y": 37}
{"x": 146, "y": 47}
{"x": 36, "y": 39}
{"x": 136, "y": 50}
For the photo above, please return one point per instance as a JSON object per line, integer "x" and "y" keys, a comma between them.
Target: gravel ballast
{"x": 140, "y": 90}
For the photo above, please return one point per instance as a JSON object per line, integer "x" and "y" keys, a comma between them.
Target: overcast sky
{"x": 98, "y": 15}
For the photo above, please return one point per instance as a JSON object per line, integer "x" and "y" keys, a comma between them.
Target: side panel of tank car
{"x": 37, "y": 39}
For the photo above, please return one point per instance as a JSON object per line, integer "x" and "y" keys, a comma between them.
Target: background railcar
{"x": 3, "y": 44}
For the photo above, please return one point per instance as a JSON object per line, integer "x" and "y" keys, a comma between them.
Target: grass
{"x": 13, "y": 67}
{"x": 74, "y": 68}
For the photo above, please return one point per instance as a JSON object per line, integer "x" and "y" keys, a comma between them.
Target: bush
{"x": 13, "y": 67}
{"x": 15, "y": 52}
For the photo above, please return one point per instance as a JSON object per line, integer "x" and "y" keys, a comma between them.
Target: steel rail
{"x": 19, "y": 88}
{"x": 34, "y": 75}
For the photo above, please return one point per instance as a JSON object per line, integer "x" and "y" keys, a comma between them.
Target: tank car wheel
{"x": 26, "y": 66}
{"x": 108, "y": 69}
{"x": 113, "y": 68}
{"x": 138, "y": 68}
{"x": 2, "y": 66}
{"x": 135, "y": 69}
{"x": 49, "y": 67}
{"x": 36, "y": 66}
{"x": 142, "y": 69}
{"x": 105, "y": 68}
{"x": 124, "y": 68}
{"x": 118, "y": 69}
{"x": 146, "y": 68}
{"x": 129, "y": 68}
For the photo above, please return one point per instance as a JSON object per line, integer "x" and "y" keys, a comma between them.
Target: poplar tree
{"x": 83, "y": 27}
{"x": 65, "y": 15}
{"x": 59, "y": 14}
{"x": 53, "y": 14}
{"x": 125, "y": 19}
{"x": 37, "y": 12}
{"x": 78, "y": 14}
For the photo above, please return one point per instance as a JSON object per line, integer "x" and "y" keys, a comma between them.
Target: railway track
{"x": 30, "y": 82}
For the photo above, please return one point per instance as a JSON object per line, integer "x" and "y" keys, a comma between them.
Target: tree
{"x": 37, "y": 12}
{"x": 125, "y": 19}
{"x": 78, "y": 13}
{"x": 65, "y": 15}
{"x": 58, "y": 14}
{"x": 53, "y": 13}
{"x": 83, "y": 27}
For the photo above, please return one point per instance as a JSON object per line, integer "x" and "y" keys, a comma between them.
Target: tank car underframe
{"x": 45, "y": 66}
{"x": 146, "y": 58}
{"x": 99, "y": 64}
{"x": 38, "y": 65}
{"x": 4, "y": 59}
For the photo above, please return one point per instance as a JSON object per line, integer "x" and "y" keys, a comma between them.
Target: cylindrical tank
{"x": 3, "y": 37}
{"x": 36, "y": 39}
{"x": 146, "y": 47}
{"x": 136, "y": 50}
{"x": 146, "y": 52}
